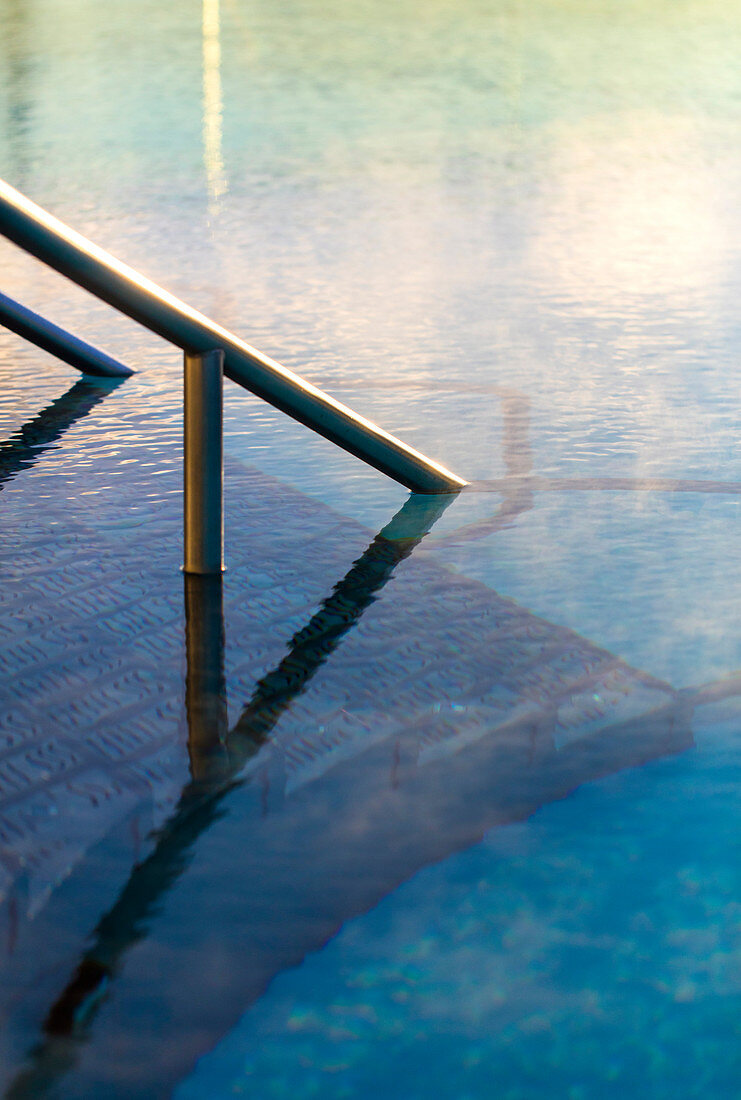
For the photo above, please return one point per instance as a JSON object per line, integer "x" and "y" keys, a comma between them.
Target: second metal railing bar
{"x": 70, "y": 349}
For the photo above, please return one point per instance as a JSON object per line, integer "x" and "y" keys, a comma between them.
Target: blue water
{"x": 508, "y": 233}
{"x": 593, "y": 951}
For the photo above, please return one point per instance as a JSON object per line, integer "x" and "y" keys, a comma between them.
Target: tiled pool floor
{"x": 355, "y": 712}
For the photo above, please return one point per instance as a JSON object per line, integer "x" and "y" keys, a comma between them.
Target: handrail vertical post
{"x": 203, "y": 468}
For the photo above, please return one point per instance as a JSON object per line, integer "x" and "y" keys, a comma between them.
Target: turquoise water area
{"x": 508, "y": 233}
{"x": 592, "y": 951}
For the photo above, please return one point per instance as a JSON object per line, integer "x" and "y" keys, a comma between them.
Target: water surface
{"x": 509, "y": 234}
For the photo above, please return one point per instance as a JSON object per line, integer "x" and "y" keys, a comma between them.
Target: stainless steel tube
{"x": 45, "y": 237}
{"x": 203, "y": 468}
{"x": 37, "y": 330}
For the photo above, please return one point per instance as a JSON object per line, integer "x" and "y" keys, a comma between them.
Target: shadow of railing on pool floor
{"x": 217, "y": 757}
{"x": 359, "y": 828}
{"x": 27, "y": 444}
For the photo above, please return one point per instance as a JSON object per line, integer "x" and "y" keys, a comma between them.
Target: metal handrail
{"x": 38, "y": 330}
{"x": 61, "y": 248}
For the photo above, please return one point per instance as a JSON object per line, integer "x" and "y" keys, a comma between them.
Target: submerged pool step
{"x": 384, "y": 712}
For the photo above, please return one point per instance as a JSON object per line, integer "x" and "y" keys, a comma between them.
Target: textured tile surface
{"x": 325, "y": 665}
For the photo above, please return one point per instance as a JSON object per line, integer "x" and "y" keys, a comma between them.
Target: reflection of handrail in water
{"x": 329, "y": 834}
{"x": 217, "y": 757}
{"x": 216, "y": 754}
{"x": 205, "y": 684}
{"x": 518, "y": 492}
{"x": 519, "y": 485}
{"x": 515, "y": 487}
{"x": 310, "y": 647}
{"x": 538, "y": 484}
{"x": 26, "y": 445}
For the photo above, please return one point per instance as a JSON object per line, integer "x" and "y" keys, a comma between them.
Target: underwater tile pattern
{"x": 335, "y": 685}
{"x": 93, "y": 666}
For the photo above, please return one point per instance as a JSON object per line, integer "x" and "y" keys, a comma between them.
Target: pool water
{"x": 592, "y": 951}
{"x": 449, "y": 806}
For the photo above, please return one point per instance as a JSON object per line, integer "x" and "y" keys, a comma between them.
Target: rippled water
{"x": 508, "y": 233}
